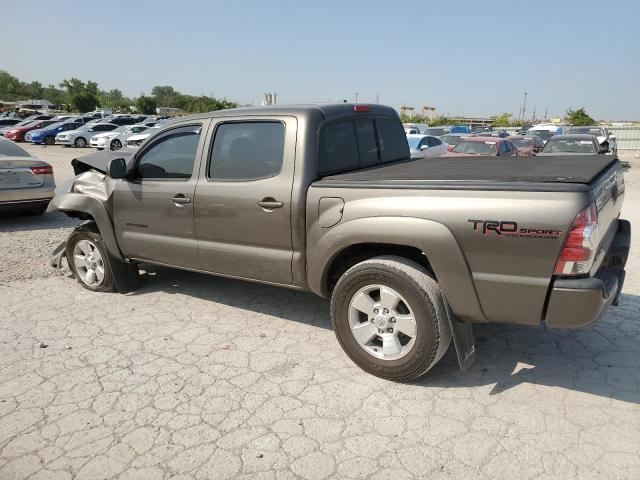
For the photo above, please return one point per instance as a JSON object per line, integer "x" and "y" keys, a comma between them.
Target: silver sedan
{"x": 26, "y": 183}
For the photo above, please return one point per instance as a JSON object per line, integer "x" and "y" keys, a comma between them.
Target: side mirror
{"x": 424, "y": 147}
{"x": 117, "y": 168}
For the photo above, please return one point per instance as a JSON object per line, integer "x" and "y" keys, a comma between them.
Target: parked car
{"x": 452, "y": 139}
{"x": 492, "y": 133}
{"x": 546, "y": 131}
{"x": 47, "y": 135}
{"x": 411, "y": 130}
{"x": 26, "y": 183}
{"x": 325, "y": 199}
{"x": 17, "y": 133}
{"x": 134, "y": 141}
{"x": 606, "y": 139}
{"x": 9, "y": 122}
{"x": 527, "y": 145}
{"x": 120, "y": 120}
{"x": 573, "y": 145}
{"x": 485, "y": 146}
{"x": 116, "y": 139}
{"x": 426, "y": 146}
{"x": 80, "y": 137}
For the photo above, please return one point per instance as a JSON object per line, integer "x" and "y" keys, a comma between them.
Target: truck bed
{"x": 568, "y": 172}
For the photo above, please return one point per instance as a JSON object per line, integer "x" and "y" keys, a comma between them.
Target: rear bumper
{"x": 576, "y": 303}
{"x": 19, "y": 205}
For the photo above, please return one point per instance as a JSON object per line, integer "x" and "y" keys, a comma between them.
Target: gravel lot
{"x": 195, "y": 377}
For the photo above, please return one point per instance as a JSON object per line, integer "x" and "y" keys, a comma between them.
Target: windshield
{"x": 569, "y": 145}
{"x": 522, "y": 142}
{"x": 10, "y": 149}
{"x": 451, "y": 139}
{"x": 543, "y": 134}
{"x": 436, "y": 132}
{"x": 476, "y": 148}
{"x": 414, "y": 142}
{"x": 596, "y": 132}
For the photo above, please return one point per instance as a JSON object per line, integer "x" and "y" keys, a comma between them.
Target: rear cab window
{"x": 359, "y": 143}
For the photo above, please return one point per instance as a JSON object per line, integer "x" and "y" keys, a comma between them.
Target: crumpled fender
{"x": 89, "y": 193}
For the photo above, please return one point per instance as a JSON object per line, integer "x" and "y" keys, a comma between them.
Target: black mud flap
{"x": 55, "y": 260}
{"x": 125, "y": 275}
{"x": 464, "y": 342}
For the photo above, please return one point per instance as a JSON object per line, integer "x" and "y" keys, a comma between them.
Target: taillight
{"x": 361, "y": 108}
{"x": 48, "y": 170}
{"x": 580, "y": 245}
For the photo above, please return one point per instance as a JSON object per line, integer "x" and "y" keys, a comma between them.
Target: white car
{"x": 135, "y": 141}
{"x": 80, "y": 137}
{"x": 426, "y": 146}
{"x": 605, "y": 138}
{"x": 116, "y": 139}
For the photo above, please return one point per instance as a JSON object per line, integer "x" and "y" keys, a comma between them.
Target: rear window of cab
{"x": 360, "y": 143}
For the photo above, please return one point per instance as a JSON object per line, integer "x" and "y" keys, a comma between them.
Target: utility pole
{"x": 524, "y": 106}
{"x": 356, "y": 97}
{"x": 377, "y": 98}
{"x": 533, "y": 119}
{"x": 546, "y": 111}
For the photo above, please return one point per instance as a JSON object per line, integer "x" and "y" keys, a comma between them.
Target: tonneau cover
{"x": 580, "y": 169}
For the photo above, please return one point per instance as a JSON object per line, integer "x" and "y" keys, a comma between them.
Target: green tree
{"x": 503, "y": 120}
{"x": 165, "y": 95}
{"x": 84, "y": 101}
{"x": 579, "y": 117}
{"x": 146, "y": 105}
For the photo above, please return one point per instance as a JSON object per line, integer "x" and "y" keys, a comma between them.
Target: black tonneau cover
{"x": 574, "y": 169}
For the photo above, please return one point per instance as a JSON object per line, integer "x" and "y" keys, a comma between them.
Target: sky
{"x": 472, "y": 58}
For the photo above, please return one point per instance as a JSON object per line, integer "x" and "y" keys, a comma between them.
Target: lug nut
{"x": 390, "y": 330}
{"x": 380, "y": 330}
{"x": 375, "y": 310}
{"x": 393, "y": 319}
{"x": 385, "y": 311}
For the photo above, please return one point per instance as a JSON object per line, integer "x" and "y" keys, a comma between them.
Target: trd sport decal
{"x": 511, "y": 229}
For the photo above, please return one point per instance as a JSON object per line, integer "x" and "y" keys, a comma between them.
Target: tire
{"x": 116, "y": 145}
{"x": 80, "y": 142}
{"x": 86, "y": 242}
{"x": 420, "y": 296}
{"x": 49, "y": 140}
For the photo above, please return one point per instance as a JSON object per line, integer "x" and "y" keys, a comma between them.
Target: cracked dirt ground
{"x": 195, "y": 377}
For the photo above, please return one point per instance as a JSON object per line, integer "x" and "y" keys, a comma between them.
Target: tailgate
{"x": 608, "y": 193}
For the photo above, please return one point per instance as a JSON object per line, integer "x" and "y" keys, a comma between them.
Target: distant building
{"x": 36, "y": 105}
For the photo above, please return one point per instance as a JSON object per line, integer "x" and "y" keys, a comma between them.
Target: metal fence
{"x": 627, "y": 138}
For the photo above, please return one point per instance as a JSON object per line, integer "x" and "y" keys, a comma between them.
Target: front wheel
{"x": 87, "y": 258}
{"x": 116, "y": 145}
{"x": 80, "y": 142}
{"x": 390, "y": 318}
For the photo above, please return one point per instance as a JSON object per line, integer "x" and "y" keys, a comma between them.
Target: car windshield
{"x": 596, "y": 132}
{"x": 476, "y": 148}
{"x": 10, "y": 149}
{"x": 451, "y": 139}
{"x": 543, "y": 134}
{"x": 436, "y": 132}
{"x": 414, "y": 142}
{"x": 523, "y": 142}
{"x": 569, "y": 145}
{"x": 53, "y": 126}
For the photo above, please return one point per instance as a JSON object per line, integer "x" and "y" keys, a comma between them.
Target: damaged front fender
{"x": 89, "y": 196}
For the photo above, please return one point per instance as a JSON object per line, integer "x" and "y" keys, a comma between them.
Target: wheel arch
{"x": 428, "y": 243}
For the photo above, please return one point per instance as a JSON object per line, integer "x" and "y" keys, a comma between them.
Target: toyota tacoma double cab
{"x": 327, "y": 199}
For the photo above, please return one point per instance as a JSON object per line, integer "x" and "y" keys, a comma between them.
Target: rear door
{"x": 243, "y": 199}
{"x": 153, "y": 211}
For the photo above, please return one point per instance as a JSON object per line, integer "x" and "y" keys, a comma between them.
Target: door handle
{"x": 181, "y": 199}
{"x": 270, "y": 203}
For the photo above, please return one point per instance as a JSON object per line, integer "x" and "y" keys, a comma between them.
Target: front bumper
{"x": 576, "y": 303}
{"x": 64, "y": 141}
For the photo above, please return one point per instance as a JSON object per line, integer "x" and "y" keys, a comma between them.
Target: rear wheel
{"x": 49, "y": 140}
{"x": 390, "y": 317}
{"x": 80, "y": 142}
{"x": 87, "y": 258}
{"x": 116, "y": 145}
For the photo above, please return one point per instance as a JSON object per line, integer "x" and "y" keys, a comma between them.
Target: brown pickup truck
{"x": 326, "y": 199}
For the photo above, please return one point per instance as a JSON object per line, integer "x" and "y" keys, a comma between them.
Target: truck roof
{"x": 329, "y": 111}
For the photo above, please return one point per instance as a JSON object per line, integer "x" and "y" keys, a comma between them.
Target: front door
{"x": 153, "y": 210}
{"x": 243, "y": 199}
